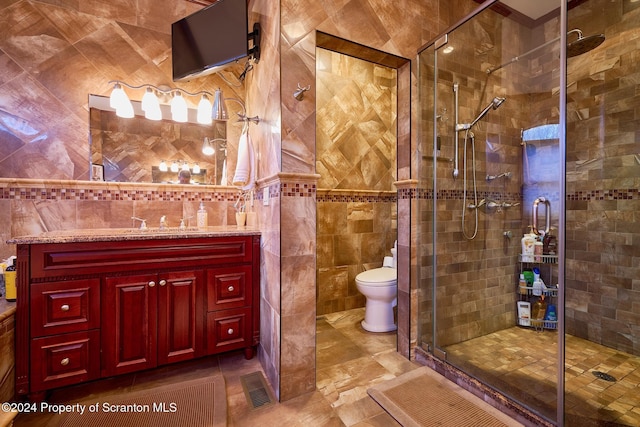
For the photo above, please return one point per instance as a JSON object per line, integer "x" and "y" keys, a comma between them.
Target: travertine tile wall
{"x": 603, "y": 178}
{"x": 475, "y": 277}
{"x": 377, "y": 24}
{"x": 356, "y": 159}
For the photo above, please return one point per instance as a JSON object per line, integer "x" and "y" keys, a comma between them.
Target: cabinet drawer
{"x": 228, "y": 287}
{"x": 228, "y": 330}
{"x": 61, "y": 307}
{"x": 62, "y": 360}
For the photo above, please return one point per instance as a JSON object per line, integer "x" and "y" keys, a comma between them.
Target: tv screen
{"x": 210, "y": 39}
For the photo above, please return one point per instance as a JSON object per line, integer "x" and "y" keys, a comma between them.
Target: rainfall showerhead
{"x": 575, "y": 48}
{"x": 584, "y": 44}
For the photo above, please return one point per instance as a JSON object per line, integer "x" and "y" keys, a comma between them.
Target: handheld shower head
{"x": 493, "y": 105}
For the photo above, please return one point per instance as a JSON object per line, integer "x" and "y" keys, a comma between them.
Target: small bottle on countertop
{"x": 202, "y": 217}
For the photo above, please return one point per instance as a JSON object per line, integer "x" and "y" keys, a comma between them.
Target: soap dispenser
{"x": 202, "y": 217}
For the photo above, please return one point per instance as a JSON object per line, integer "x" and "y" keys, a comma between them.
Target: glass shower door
{"x": 481, "y": 86}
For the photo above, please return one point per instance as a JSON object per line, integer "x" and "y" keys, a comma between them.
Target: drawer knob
{"x": 163, "y": 282}
{"x": 230, "y": 331}
{"x": 65, "y": 361}
{"x": 152, "y": 284}
{"x": 64, "y": 307}
{"x": 231, "y": 288}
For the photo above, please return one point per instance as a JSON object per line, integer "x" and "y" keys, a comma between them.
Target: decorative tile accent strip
{"x": 294, "y": 189}
{"x": 16, "y": 193}
{"x": 358, "y": 197}
{"x": 590, "y": 196}
{"x": 617, "y": 194}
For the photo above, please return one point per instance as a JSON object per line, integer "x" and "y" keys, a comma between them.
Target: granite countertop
{"x": 119, "y": 234}
{"x": 6, "y": 308}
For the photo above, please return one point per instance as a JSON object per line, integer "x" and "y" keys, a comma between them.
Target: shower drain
{"x": 604, "y": 376}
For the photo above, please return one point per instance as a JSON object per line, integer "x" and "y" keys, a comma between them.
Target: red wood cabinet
{"x": 87, "y": 310}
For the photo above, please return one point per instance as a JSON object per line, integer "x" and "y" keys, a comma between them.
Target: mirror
{"x": 131, "y": 150}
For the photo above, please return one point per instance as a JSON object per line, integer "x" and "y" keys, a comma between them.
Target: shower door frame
{"x": 441, "y": 40}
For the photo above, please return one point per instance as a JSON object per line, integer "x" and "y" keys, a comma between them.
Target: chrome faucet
{"x": 143, "y": 222}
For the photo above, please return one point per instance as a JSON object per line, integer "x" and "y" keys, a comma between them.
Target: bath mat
{"x": 197, "y": 403}
{"x": 422, "y": 397}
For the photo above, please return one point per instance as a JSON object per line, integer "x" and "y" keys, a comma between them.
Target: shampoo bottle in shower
{"x": 528, "y": 242}
{"x": 539, "y": 309}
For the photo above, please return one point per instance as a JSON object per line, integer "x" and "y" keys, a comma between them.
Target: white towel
{"x": 246, "y": 164}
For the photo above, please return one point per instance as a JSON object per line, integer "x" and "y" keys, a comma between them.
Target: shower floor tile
{"x": 522, "y": 363}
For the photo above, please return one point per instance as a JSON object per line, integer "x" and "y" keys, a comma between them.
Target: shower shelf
{"x": 538, "y": 259}
{"x": 527, "y": 293}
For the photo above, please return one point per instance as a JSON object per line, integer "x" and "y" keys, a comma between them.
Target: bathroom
{"x": 285, "y": 142}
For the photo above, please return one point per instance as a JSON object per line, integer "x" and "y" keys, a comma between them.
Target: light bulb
{"x": 196, "y": 168}
{"x": 174, "y": 167}
{"x": 151, "y": 105}
{"x": 185, "y": 166}
{"x": 163, "y": 166}
{"x": 120, "y": 102}
{"x": 204, "y": 111}
{"x": 207, "y": 148}
{"x": 178, "y": 108}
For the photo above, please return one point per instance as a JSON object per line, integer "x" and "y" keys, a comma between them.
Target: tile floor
{"x": 522, "y": 363}
{"x": 349, "y": 361}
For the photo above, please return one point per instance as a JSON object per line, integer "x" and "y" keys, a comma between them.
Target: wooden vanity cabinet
{"x": 91, "y": 310}
{"x": 167, "y": 317}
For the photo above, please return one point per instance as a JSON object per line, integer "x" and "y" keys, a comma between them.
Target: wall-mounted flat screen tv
{"x": 210, "y": 39}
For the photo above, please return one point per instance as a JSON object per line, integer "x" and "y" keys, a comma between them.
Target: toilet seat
{"x": 383, "y": 276}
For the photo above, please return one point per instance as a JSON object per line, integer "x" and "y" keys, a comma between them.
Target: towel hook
{"x": 299, "y": 94}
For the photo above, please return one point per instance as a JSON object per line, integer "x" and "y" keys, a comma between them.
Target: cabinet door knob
{"x": 163, "y": 282}
{"x": 65, "y": 361}
{"x": 230, "y": 331}
{"x": 231, "y": 288}
{"x": 64, "y": 307}
{"x": 152, "y": 284}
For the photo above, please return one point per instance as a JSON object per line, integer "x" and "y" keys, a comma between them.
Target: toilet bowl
{"x": 380, "y": 287}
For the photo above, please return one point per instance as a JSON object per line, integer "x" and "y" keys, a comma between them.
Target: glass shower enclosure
{"x": 529, "y": 139}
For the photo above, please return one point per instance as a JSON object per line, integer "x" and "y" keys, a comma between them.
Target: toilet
{"x": 380, "y": 287}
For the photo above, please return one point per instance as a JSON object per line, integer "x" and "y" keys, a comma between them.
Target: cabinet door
{"x": 129, "y": 323}
{"x": 180, "y": 316}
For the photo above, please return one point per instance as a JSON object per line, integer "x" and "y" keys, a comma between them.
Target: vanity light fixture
{"x": 185, "y": 166}
{"x": 120, "y": 102}
{"x": 207, "y": 148}
{"x": 196, "y": 168}
{"x": 151, "y": 105}
{"x": 178, "y": 108}
{"x": 219, "y": 110}
{"x": 174, "y": 166}
{"x": 163, "y": 166}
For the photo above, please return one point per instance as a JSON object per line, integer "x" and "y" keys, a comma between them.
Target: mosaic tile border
{"x": 589, "y": 196}
{"x": 16, "y": 193}
{"x": 295, "y": 189}
{"x": 357, "y": 198}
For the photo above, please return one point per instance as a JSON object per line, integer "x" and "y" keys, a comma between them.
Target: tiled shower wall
{"x": 603, "y": 178}
{"x": 356, "y": 159}
{"x": 476, "y": 277}
{"x": 602, "y": 201}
